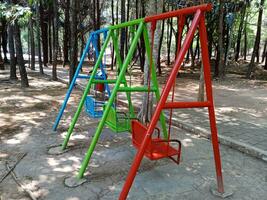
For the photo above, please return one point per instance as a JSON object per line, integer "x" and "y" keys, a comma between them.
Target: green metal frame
{"x": 109, "y": 110}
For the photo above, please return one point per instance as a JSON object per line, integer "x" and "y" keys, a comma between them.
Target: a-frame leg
{"x": 140, "y": 154}
{"x": 111, "y": 100}
{"x": 64, "y": 104}
{"x": 87, "y": 89}
{"x": 213, "y": 128}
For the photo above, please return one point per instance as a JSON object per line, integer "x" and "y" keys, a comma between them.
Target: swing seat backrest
{"x": 93, "y": 107}
{"x": 117, "y": 121}
{"x": 157, "y": 148}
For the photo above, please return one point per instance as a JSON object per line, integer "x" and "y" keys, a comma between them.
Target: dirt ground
{"x": 26, "y": 120}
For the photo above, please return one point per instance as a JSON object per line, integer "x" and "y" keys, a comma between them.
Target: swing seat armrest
{"x": 157, "y": 131}
{"x": 121, "y": 115}
{"x": 177, "y": 160}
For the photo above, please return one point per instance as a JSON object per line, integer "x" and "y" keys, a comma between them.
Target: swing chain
{"x": 152, "y": 31}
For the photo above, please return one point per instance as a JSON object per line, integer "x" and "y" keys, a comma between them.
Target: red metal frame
{"x": 198, "y": 22}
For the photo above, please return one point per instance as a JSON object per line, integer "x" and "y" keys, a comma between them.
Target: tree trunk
{"x": 13, "y": 75}
{"x": 201, "y": 86}
{"x": 44, "y": 33}
{"x": 169, "y": 42}
{"x": 32, "y": 44}
{"x": 4, "y": 39}
{"x": 50, "y": 27}
{"x": 38, "y": 27}
{"x": 117, "y": 12}
{"x": 73, "y": 39}
{"x": 197, "y": 49}
{"x": 113, "y": 20}
{"x": 216, "y": 66}
{"x": 257, "y": 42}
{"x": 19, "y": 55}
{"x": 220, "y": 41}
{"x": 123, "y": 31}
{"x": 141, "y": 48}
{"x": 126, "y": 30}
{"x": 66, "y": 33}
{"x": 98, "y": 22}
{"x": 245, "y": 38}
{"x": 2, "y": 66}
{"x": 240, "y": 30}
{"x": 55, "y": 40}
{"x": 160, "y": 45}
{"x": 264, "y": 51}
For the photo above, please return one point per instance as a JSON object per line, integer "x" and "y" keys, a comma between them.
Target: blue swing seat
{"x": 93, "y": 107}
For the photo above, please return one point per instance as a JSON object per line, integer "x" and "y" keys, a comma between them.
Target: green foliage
{"x": 12, "y": 12}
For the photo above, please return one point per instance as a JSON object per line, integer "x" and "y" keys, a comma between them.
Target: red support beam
{"x": 175, "y": 13}
{"x": 169, "y": 105}
{"x": 207, "y": 78}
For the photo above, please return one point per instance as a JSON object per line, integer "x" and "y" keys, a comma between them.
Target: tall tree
{"x": 13, "y": 75}
{"x": 3, "y": 34}
{"x": 44, "y": 31}
{"x": 220, "y": 40}
{"x": 32, "y": 43}
{"x": 160, "y": 42}
{"x": 240, "y": 31}
{"x": 55, "y": 39}
{"x": 113, "y": 21}
{"x": 66, "y": 32}
{"x": 245, "y": 38}
{"x": 264, "y": 51}
{"x": 123, "y": 30}
{"x": 257, "y": 41}
{"x": 38, "y": 31}
{"x": 73, "y": 39}
{"x": 19, "y": 55}
{"x": 2, "y": 66}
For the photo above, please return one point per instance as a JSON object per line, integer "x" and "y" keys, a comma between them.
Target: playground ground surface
{"x": 27, "y": 116}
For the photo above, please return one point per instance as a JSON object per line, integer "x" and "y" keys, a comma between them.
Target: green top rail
{"x": 125, "y": 24}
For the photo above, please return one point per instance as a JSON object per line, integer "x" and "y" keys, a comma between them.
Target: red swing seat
{"x": 157, "y": 148}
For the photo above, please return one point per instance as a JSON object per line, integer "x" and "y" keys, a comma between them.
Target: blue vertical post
{"x": 63, "y": 106}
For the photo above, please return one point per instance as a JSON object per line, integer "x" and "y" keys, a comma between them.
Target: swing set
{"x": 146, "y": 138}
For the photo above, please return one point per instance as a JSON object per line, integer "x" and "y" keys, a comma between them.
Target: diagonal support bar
{"x": 64, "y": 104}
{"x": 213, "y": 128}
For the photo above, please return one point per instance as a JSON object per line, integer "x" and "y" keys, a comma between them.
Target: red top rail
{"x": 175, "y": 13}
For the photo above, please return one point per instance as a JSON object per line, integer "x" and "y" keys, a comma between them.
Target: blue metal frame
{"x": 92, "y": 38}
